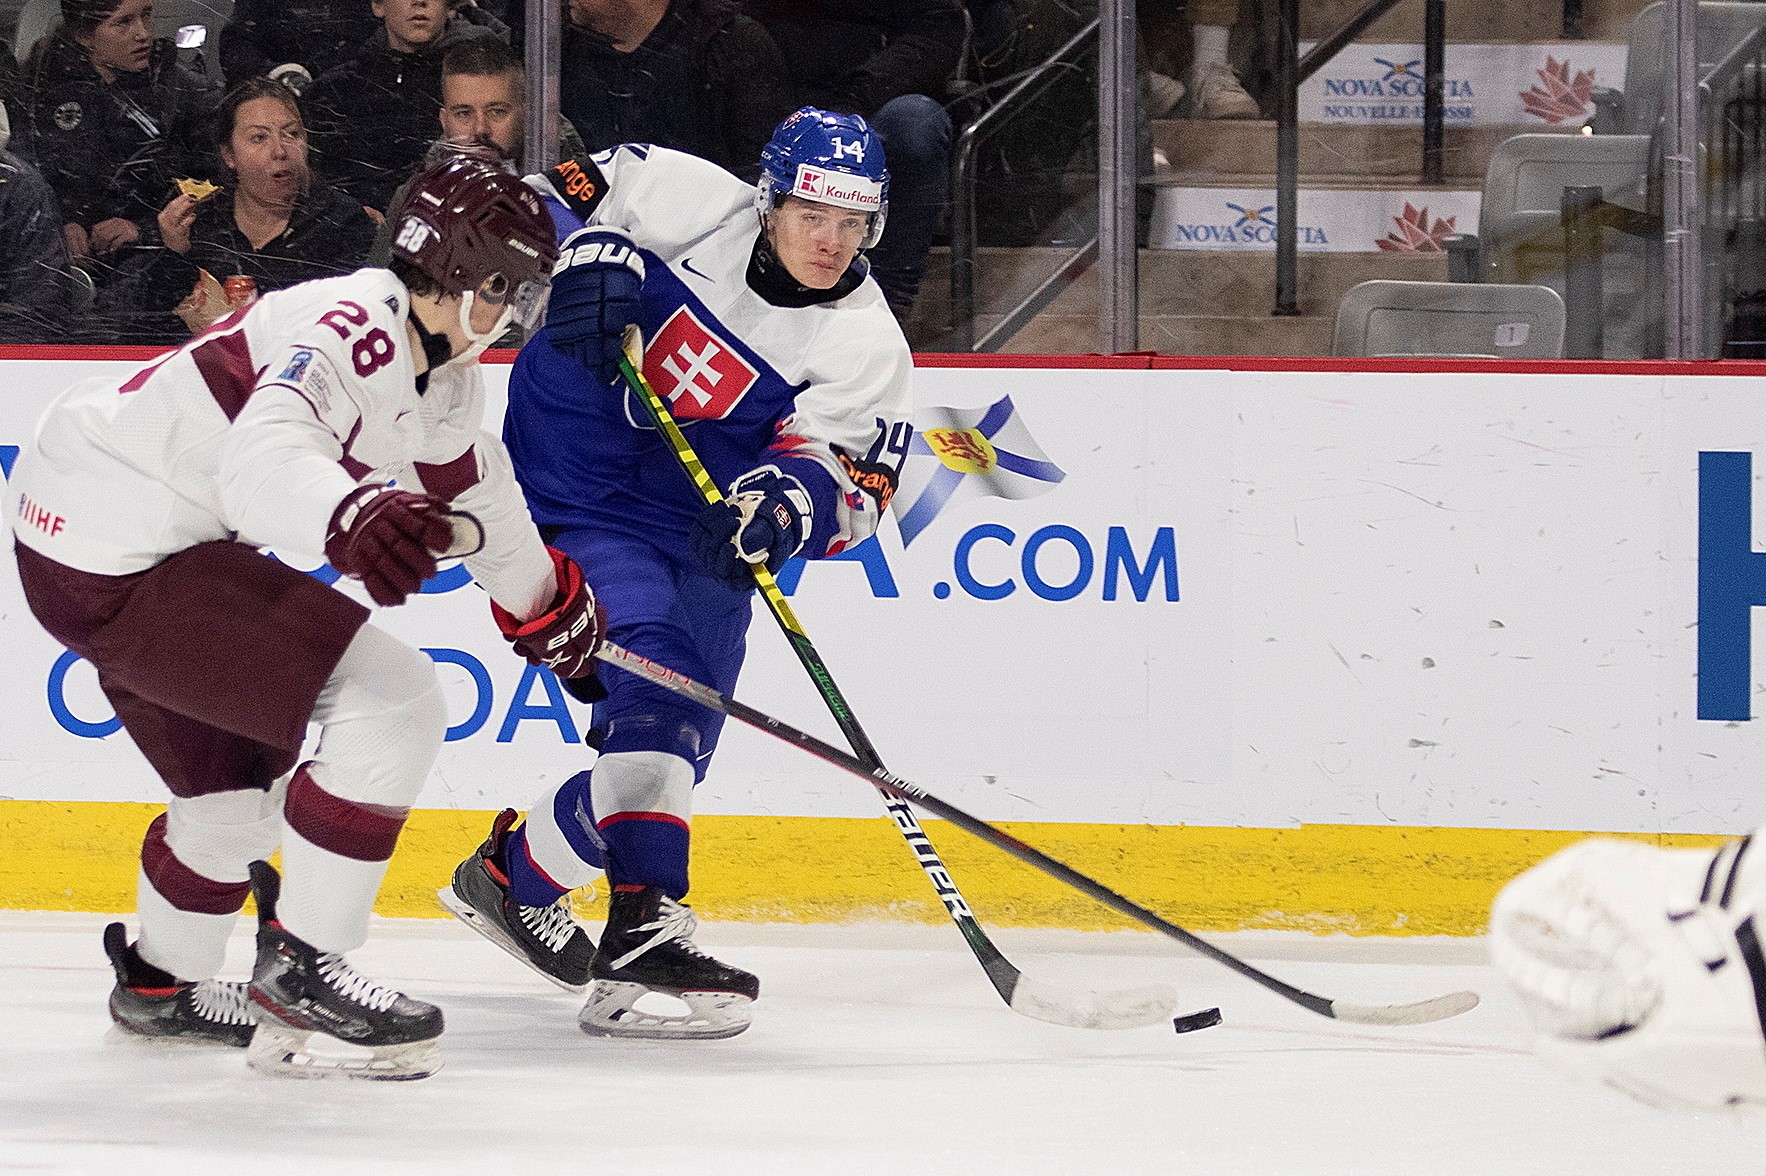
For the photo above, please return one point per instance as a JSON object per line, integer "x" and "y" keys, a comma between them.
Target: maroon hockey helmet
{"x": 464, "y": 223}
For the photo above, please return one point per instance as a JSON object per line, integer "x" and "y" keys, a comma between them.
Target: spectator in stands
{"x": 483, "y": 113}
{"x": 1210, "y": 83}
{"x": 295, "y": 41}
{"x": 33, "y": 253}
{"x": 373, "y": 117}
{"x": 1214, "y": 89}
{"x": 891, "y": 61}
{"x": 484, "y": 101}
{"x": 695, "y": 75}
{"x": 273, "y": 221}
{"x": 113, "y": 119}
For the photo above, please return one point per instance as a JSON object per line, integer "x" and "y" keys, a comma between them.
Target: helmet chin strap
{"x": 477, "y": 342}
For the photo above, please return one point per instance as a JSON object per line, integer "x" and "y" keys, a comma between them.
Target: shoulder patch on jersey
{"x": 578, "y": 184}
{"x": 297, "y": 366}
{"x": 309, "y": 371}
{"x": 873, "y": 477}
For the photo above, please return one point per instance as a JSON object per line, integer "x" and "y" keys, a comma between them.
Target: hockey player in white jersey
{"x": 343, "y": 418}
{"x": 1641, "y": 967}
{"x": 780, "y": 357}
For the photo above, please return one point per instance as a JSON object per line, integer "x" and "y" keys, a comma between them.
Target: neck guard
{"x": 768, "y": 277}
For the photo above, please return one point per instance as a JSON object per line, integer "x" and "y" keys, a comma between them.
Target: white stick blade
{"x": 1125, "y": 1008}
{"x": 1420, "y": 1013}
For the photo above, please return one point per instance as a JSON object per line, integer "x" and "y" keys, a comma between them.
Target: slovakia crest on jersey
{"x": 698, "y": 374}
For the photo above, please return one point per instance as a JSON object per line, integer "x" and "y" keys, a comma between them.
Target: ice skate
{"x": 202, "y": 1012}
{"x": 648, "y": 949}
{"x": 319, "y": 1018}
{"x": 546, "y": 938}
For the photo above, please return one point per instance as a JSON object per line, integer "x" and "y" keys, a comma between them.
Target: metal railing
{"x": 964, "y": 181}
{"x": 1292, "y": 70}
{"x": 1716, "y": 304}
{"x": 1732, "y": 130}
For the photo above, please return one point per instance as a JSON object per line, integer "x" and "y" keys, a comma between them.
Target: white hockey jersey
{"x": 255, "y": 430}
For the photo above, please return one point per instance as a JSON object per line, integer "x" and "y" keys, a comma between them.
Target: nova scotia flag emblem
{"x": 961, "y": 453}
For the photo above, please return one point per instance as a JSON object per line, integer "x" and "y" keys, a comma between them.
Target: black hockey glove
{"x": 596, "y": 288}
{"x": 765, "y": 519}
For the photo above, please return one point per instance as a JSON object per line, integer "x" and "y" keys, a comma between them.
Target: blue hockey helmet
{"x": 827, "y": 158}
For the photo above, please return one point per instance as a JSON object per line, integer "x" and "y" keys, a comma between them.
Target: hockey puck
{"x": 1206, "y": 1019}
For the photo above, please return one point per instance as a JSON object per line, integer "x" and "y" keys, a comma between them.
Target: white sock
{"x": 1210, "y": 46}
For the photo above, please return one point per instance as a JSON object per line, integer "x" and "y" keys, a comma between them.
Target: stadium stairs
{"x": 1219, "y": 302}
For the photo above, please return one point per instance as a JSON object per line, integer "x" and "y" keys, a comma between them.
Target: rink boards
{"x": 1329, "y": 649}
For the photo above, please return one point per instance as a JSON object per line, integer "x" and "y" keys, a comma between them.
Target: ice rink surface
{"x": 874, "y": 1050}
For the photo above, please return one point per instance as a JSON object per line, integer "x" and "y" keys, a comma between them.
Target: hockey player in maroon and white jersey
{"x": 340, "y": 417}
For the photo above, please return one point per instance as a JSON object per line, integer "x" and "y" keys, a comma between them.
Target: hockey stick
{"x": 1417, "y": 1013}
{"x": 1087, "y": 1010}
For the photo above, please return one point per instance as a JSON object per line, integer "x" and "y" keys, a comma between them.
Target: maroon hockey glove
{"x": 388, "y": 539}
{"x": 565, "y": 637}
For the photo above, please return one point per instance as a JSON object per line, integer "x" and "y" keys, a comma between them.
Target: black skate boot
{"x": 546, "y": 938}
{"x": 648, "y": 947}
{"x": 151, "y": 1003}
{"x": 319, "y": 1017}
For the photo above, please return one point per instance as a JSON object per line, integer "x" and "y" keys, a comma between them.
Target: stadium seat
{"x": 1520, "y": 219}
{"x": 1722, "y": 25}
{"x": 1450, "y": 319}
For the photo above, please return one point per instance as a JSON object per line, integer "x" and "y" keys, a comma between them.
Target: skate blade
{"x": 468, "y": 914}
{"x": 287, "y": 1052}
{"x": 612, "y": 1011}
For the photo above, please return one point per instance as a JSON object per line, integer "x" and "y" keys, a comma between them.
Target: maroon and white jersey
{"x": 255, "y": 430}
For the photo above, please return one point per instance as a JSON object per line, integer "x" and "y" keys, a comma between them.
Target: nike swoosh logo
{"x": 687, "y": 264}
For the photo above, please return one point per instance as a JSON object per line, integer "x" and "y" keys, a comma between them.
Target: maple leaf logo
{"x": 1415, "y": 234}
{"x": 1558, "y": 96}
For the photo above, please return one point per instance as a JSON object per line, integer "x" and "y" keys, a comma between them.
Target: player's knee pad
{"x": 667, "y": 732}
{"x": 645, "y": 784}
{"x": 1642, "y": 967}
{"x": 691, "y": 736}
{"x": 219, "y": 834}
{"x": 383, "y": 718}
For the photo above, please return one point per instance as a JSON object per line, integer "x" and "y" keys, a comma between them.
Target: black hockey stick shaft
{"x": 881, "y": 778}
{"x": 1000, "y": 971}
